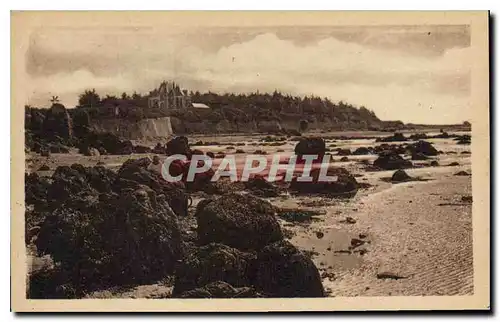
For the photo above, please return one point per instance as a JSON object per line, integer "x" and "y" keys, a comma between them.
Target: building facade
{"x": 169, "y": 96}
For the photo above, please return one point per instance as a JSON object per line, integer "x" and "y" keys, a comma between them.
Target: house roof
{"x": 200, "y": 105}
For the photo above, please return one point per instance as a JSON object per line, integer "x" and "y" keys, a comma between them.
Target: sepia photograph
{"x": 254, "y": 161}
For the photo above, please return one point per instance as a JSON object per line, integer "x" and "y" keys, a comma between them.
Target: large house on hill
{"x": 169, "y": 96}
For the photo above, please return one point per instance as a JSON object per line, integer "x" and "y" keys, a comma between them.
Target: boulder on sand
{"x": 423, "y": 147}
{"x": 179, "y": 145}
{"x": 362, "y": 151}
{"x": 392, "y": 161}
{"x": 284, "y": 271}
{"x": 230, "y": 217}
{"x": 400, "y": 176}
{"x": 396, "y": 137}
{"x": 211, "y": 263}
{"x": 260, "y": 187}
{"x": 345, "y": 185}
{"x": 310, "y": 146}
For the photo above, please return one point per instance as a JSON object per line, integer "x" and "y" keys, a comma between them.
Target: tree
{"x": 54, "y": 100}
{"x": 89, "y": 98}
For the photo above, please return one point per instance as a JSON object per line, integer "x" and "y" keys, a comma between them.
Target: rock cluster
{"x": 240, "y": 252}
{"x": 104, "y": 228}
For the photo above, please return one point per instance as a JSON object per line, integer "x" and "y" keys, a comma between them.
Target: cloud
{"x": 394, "y": 83}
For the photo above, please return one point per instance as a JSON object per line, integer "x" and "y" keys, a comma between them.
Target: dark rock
{"x": 159, "y": 149}
{"x": 397, "y": 137}
{"x": 344, "y": 159}
{"x": 57, "y": 122}
{"x": 136, "y": 171}
{"x": 36, "y": 190}
{"x": 228, "y": 218}
{"x": 418, "y": 156}
{"x": 423, "y": 147}
{"x": 260, "y": 187}
{"x": 345, "y": 185}
{"x": 462, "y": 173}
{"x": 45, "y": 153}
{"x": 392, "y": 161}
{"x": 211, "y": 263}
{"x": 418, "y": 136}
{"x": 211, "y": 154}
{"x": 142, "y": 149}
{"x": 319, "y": 234}
{"x": 467, "y": 199}
{"x": 434, "y": 163}
{"x": 310, "y": 146}
{"x": 179, "y": 145}
{"x": 239, "y": 151}
{"x": 108, "y": 240}
{"x": 400, "y": 176}
{"x": 284, "y": 271}
{"x": 362, "y": 151}
{"x": 453, "y": 164}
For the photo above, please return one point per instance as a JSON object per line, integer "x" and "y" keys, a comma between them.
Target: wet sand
{"x": 408, "y": 234}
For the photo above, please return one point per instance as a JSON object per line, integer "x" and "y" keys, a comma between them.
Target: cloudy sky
{"x": 415, "y": 74}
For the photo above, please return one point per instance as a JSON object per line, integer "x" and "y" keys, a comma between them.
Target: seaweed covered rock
{"x": 135, "y": 171}
{"x": 463, "y": 139}
{"x": 66, "y": 183}
{"x": 260, "y": 187}
{"x": 35, "y": 189}
{"x": 362, "y": 151}
{"x": 345, "y": 184}
{"x": 159, "y": 149}
{"x": 221, "y": 289}
{"x": 392, "y": 161}
{"x": 227, "y": 218}
{"x": 111, "y": 239}
{"x": 109, "y": 142}
{"x": 179, "y": 145}
{"x": 211, "y": 263}
{"x": 396, "y": 137}
{"x": 400, "y": 176}
{"x": 284, "y": 271}
{"x": 310, "y": 146}
{"x": 423, "y": 147}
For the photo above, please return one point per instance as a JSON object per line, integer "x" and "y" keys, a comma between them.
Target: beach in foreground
{"x": 410, "y": 238}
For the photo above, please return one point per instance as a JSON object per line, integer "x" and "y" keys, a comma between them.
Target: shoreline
{"x": 427, "y": 247}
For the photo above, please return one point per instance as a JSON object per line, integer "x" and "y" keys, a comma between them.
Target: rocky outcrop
{"x": 310, "y": 146}
{"x": 109, "y": 239}
{"x": 392, "y": 161}
{"x": 423, "y": 147}
{"x": 345, "y": 185}
{"x": 226, "y": 219}
{"x": 283, "y": 271}
{"x": 211, "y": 263}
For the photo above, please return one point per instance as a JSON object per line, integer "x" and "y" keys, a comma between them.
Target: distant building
{"x": 200, "y": 105}
{"x": 169, "y": 96}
